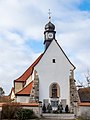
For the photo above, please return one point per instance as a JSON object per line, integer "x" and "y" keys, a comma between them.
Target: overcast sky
{"x": 21, "y": 34}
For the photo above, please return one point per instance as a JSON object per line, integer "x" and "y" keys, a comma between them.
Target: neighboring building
{"x": 50, "y": 79}
{"x": 12, "y": 94}
{"x": 84, "y": 94}
{"x": 84, "y": 105}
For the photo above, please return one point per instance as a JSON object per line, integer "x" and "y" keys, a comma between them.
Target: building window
{"x": 23, "y": 84}
{"x": 53, "y": 60}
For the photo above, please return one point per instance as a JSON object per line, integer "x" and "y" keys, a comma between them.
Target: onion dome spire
{"x": 49, "y": 33}
{"x": 49, "y": 26}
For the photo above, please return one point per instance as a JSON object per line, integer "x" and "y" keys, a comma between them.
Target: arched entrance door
{"x": 54, "y": 91}
{"x": 54, "y": 94}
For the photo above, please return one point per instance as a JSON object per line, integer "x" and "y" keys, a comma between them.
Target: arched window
{"x": 54, "y": 90}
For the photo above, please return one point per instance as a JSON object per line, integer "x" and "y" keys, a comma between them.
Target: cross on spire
{"x": 49, "y": 13}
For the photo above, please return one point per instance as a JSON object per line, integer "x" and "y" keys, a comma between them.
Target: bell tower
{"x": 49, "y": 33}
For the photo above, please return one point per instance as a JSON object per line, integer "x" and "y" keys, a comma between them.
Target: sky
{"x": 22, "y": 25}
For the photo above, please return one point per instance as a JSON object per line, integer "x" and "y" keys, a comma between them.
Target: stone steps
{"x": 59, "y": 116}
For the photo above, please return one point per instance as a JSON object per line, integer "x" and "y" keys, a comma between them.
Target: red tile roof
{"x": 26, "y": 90}
{"x": 29, "y": 104}
{"x": 84, "y": 94}
{"x": 23, "y": 104}
{"x": 84, "y": 104}
{"x": 28, "y": 72}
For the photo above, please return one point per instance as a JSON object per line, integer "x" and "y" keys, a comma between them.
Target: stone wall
{"x": 34, "y": 95}
{"x": 36, "y": 108}
{"x": 84, "y": 111}
{"x": 74, "y": 97}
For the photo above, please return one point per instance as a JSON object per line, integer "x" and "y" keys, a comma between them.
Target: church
{"x": 50, "y": 79}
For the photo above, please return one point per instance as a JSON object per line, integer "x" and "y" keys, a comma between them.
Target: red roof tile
{"x": 26, "y": 90}
{"x": 29, "y": 104}
{"x": 84, "y": 104}
{"x": 28, "y": 72}
{"x": 84, "y": 94}
{"x": 23, "y": 104}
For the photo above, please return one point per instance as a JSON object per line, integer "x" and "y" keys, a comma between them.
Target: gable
{"x": 65, "y": 54}
{"x": 54, "y": 51}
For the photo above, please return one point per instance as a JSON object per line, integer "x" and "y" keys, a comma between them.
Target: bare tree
{"x": 87, "y": 76}
{"x": 84, "y": 91}
{"x": 87, "y": 79}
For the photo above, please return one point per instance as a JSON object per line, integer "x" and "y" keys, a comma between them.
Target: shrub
{"x": 60, "y": 108}
{"x": 9, "y": 110}
{"x": 49, "y": 108}
{"x": 23, "y": 114}
{"x": 44, "y": 108}
{"x": 66, "y": 109}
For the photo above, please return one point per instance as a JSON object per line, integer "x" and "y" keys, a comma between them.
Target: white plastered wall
{"x": 50, "y": 72}
{"x": 23, "y": 99}
{"x": 30, "y": 79}
{"x": 12, "y": 95}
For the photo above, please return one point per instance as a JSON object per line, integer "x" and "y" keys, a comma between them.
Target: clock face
{"x": 50, "y": 35}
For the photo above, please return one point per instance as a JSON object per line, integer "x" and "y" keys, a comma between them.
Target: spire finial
{"x": 49, "y": 13}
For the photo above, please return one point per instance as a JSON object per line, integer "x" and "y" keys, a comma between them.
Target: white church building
{"x": 50, "y": 79}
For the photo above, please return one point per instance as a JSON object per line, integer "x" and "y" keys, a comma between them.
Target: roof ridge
{"x": 28, "y": 72}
